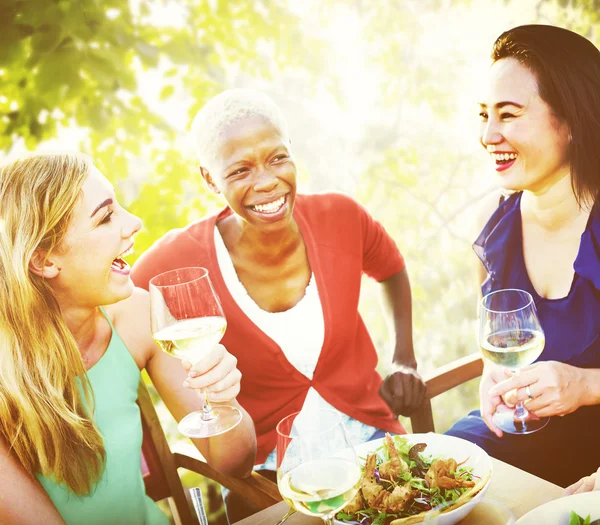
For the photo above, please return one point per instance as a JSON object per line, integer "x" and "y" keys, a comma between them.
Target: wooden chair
{"x": 162, "y": 479}
{"x": 441, "y": 380}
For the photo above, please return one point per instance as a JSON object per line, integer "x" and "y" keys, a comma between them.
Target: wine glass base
{"x": 226, "y": 418}
{"x": 506, "y": 422}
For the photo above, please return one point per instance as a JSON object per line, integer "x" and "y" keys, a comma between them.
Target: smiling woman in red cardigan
{"x": 288, "y": 270}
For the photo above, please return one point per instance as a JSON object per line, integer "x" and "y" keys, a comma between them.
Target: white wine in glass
{"x": 510, "y": 335}
{"x": 317, "y": 469}
{"x": 191, "y": 339}
{"x": 512, "y": 349}
{"x": 187, "y": 322}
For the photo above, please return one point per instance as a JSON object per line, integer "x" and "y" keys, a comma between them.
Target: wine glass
{"x": 187, "y": 321}
{"x": 318, "y": 472}
{"x": 510, "y": 335}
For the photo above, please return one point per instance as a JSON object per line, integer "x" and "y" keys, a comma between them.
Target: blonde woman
{"x": 70, "y": 430}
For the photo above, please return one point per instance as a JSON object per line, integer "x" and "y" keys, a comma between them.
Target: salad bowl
{"x": 558, "y": 511}
{"x": 438, "y": 446}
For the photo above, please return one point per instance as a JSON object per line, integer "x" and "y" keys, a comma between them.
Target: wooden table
{"x": 517, "y": 489}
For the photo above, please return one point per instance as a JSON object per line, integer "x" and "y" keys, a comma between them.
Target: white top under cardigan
{"x": 299, "y": 332}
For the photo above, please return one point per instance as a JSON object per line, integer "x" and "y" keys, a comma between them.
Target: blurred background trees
{"x": 381, "y": 99}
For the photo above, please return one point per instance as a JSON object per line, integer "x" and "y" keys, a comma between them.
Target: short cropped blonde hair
{"x": 227, "y": 108}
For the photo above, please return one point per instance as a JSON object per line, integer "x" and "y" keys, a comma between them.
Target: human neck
{"x": 553, "y": 207}
{"x": 82, "y": 323}
{"x": 264, "y": 245}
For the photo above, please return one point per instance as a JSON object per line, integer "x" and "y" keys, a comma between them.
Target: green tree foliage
{"x": 78, "y": 63}
{"x": 86, "y": 64}
{"x": 82, "y": 64}
{"x": 418, "y": 177}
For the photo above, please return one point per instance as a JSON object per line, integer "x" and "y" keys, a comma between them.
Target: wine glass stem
{"x": 207, "y": 411}
{"x": 520, "y": 411}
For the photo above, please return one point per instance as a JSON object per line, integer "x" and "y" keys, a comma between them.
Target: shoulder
{"x": 131, "y": 319}
{"x": 495, "y": 209}
{"x": 485, "y": 208}
{"x": 494, "y": 232}
{"x": 331, "y": 203}
{"x": 186, "y": 234}
{"x": 171, "y": 250}
{"x": 133, "y": 310}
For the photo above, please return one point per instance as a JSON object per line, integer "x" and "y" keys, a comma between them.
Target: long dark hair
{"x": 567, "y": 69}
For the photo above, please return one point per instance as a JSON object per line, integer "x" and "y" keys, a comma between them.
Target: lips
{"x": 119, "y": 265}
{"x": 504, "y": 159}
{"x": 270, "y": 207}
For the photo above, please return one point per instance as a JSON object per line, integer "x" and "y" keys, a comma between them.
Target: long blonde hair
{"x": 45, "y": 397}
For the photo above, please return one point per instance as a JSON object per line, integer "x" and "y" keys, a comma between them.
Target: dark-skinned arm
{"x": 403, "y": 389}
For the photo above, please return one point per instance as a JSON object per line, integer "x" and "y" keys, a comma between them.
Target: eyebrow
{"x": 274, "y": 150}
{"x": 500, "y": 105}
{"x": 103, "y": 204}
{"x": 234, "y": 164}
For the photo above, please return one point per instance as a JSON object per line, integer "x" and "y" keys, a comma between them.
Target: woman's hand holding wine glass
{"x": 553, "y": 388}
{"x": 510, "y": 335}
{"x": 187, "y": 322}
{"x": 489, "y": 402}
{"x": 217, "y": 373}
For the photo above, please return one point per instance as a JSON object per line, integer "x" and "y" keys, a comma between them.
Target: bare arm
{"x": 23, "y": 501}
{"x": 231, "y": 453}
{"x": 403, "y": 390}
{"x": 397, "y": 307}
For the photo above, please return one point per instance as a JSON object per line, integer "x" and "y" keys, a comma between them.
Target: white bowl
{"x": 442, "y": 446}
{"x": 557, "y": 512}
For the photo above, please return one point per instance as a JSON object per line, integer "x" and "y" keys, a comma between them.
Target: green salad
{"x": 400, "y": 484}
{"x": 576, "y": 519}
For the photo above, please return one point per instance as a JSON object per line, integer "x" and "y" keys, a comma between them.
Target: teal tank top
{"x": 119, "y": 496}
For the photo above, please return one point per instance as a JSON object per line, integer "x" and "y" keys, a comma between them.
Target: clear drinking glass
{"x": 510, "y": 335}
{"x": 318, "y": 472}
{"x": 187, "y": 321}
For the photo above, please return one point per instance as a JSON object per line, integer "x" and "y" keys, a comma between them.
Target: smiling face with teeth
{"x": 254, "y": 170}
{"x": 527, "y": 143}
{"x": 89, "y": 265}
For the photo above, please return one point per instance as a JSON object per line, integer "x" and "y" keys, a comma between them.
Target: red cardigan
{"x": 342, "y": 241}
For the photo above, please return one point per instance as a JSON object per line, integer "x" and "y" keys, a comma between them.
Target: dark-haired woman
{"x": 541, "y": 126}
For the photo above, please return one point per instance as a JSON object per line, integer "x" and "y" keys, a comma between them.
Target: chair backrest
{"x": 159, "y": 466}
{"x": 441, "y": 380}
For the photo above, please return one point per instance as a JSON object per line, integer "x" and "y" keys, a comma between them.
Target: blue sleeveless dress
{"x": 568, "y": 448}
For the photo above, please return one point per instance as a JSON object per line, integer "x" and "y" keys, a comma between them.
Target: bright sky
{"x": 331, "y": 127}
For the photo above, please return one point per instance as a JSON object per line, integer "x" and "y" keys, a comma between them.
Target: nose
{"x": 265, "y": 181}
{"x": 131, "y": 225}
{"x": 490, "y": 134}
